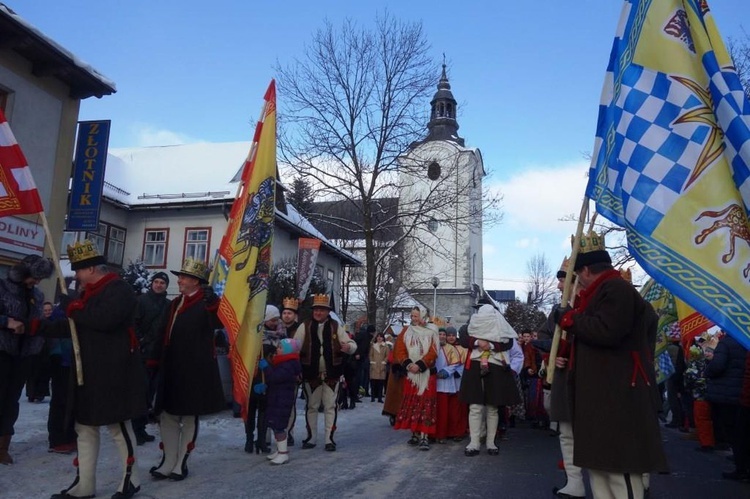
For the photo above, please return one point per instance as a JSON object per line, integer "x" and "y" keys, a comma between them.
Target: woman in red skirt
{"x": 416, "y": 350}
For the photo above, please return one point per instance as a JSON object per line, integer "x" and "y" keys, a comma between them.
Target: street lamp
{"x": 435, "y": 282}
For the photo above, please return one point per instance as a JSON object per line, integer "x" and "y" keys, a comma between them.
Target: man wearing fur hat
{"x": 148, "y": 317}
{"x": 112, "y": 393}
{"x": 613, "y": 333}
{"x": 20, "y": 311}
{"x": 189, "y": 382}
{"x": 488, "y": 382}
{"x": 322, "y": 358}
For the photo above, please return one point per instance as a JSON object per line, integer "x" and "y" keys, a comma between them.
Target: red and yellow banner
{"x": 245, "y": 253}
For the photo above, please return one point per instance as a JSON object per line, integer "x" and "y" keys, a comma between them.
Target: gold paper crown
{"x": 290, "y": 303}
{"x": 627, "y": 275}
{"x": 565, "y": 264}
{"x": 321, "y": 301}
{"x": 193, "y": 268}
{"x": 84, "y": 254}
{"x": 589, "y": 242}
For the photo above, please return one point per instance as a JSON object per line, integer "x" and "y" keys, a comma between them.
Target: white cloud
{"x": 527, "y": 243}
{"x": 539, "y": 196}
{"x": 146, "y": 135}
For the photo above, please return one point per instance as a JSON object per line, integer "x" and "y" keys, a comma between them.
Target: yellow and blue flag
{"x": 672, "y": 157}
{"x": 241, "y": 271}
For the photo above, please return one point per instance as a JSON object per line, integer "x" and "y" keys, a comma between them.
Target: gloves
{"x": 560, "y": 312}
{"x": 442, "y": 374}
{"x": 220, "y": 339}
{"x": 209, "y": 296}
{"x": 260, "y": 388}
{"x": 263, "y": 364}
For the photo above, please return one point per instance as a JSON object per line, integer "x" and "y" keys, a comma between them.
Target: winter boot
{"x": 169, "y": 428}
{"x": 187, "y": 444}
{"x": 261, "y": 444}
{"x": 84, "y": 484}
{"x": 283, "y": 453}
{"x": 492, "y": 421}
{"x": 475, "y": 428}
{"x": 124, "y": 438}
{"x": 574, "y": 486}
{"x": 275, "y": 452}
{"x": 5, "y": 458}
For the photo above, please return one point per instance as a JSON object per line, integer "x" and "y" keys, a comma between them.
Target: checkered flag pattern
{"x": 653, "y": 155}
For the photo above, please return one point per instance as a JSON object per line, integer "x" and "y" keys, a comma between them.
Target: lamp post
{"x": 435, "y": 282}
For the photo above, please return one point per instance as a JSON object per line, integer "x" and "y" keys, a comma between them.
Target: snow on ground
{"x": 219, "y": 468}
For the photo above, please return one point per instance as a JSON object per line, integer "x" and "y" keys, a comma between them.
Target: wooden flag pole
{"x": 568, "y": 288}
{"x": 64, "y": 290}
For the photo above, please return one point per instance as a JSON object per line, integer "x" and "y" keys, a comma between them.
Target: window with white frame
{"x": 196, "y": 243}
{"x": 155, "y": 247}
{"x": 110, "y": 241}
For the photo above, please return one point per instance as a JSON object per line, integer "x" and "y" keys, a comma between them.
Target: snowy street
{"x": 372, "y": 460}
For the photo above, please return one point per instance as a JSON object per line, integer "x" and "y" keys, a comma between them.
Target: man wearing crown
{"x": 189, "y": 383}
{"x": 323, "y": 346}
{"x": 612, "y": 330}
{"x": 112, "y": 393}
{"x": 559, "y": 409}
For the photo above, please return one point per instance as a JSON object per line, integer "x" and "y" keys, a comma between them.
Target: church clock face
{"x": 433, "y": 171}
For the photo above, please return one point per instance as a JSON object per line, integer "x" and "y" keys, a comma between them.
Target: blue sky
{"x": 527, "y": 76}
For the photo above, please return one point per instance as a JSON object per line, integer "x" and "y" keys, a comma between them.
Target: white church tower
{"x": 441, "y": 184}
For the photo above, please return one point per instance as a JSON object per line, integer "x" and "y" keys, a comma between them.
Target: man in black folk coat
{"x": 188, "y": 384}
{"x": 113, "y": 392}
{"x": 614, "y": 400}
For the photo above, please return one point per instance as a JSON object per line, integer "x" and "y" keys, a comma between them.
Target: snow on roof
{"x": 174, "y": 174}
{"x": 188, "y": 173}
{"x": 65, "y": 52}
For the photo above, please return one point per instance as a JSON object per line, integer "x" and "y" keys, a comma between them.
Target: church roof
{"x": 443, "y": 106}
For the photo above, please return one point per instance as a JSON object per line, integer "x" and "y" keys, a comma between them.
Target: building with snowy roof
{"x": 41, "y": 88}
{"x": 163, "y": 204}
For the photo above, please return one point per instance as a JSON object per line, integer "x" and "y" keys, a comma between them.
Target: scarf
{"x": 490, "y": 325}
{"x": 418, "y": 341}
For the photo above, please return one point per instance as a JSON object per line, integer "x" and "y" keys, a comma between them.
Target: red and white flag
{"x": 18, "y": 192}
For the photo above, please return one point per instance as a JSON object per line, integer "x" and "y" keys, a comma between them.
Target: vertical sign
{"x": 88, "y": 175}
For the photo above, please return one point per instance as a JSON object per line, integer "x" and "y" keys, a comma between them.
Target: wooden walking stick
{"x": 568, "y": 288}
{"x": 64, "y": 291}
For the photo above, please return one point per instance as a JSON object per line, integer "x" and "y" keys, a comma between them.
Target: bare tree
{"x": 351, "y": 106}
{"x": 542, "y": 284}
{"x": 739, "y": 51}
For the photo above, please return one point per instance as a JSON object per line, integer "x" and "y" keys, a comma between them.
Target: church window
{"x": 432, "y": 225}
{"x": 433, "y": 171}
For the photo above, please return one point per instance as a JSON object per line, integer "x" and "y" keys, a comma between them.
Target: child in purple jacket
{"x": 282, "y": 375}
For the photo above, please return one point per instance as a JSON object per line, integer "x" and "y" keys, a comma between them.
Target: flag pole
{"x": 568, "y": 288}
{"x": 64, "y": 291}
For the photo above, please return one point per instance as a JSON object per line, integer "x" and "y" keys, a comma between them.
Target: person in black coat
{"x": 282, "y": 374}
{"x": 20, "y": 306}
{"x": 112, "y": 393}
{"x": 189, "y": 384}
{"x": 724, "y": 373}
{"x": 148, "y": 318}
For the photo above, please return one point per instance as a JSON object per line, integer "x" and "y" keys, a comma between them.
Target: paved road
{"x": 372, "y": 460}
